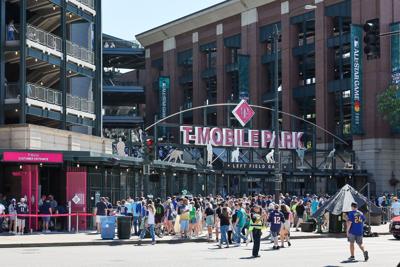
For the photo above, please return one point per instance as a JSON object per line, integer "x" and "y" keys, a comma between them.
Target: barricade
{"x": 70, "y": 216}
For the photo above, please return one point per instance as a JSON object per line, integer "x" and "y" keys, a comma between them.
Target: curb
{"x": 145, "y": 242}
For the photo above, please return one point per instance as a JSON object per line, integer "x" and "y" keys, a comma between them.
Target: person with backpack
{"x": 159, "y": 213}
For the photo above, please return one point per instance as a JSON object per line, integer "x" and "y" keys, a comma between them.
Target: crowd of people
{"x": 18, "y": 211}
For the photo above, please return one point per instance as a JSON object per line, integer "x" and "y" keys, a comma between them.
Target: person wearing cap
{"x": 12, "y": 210}
{"x": 22, "y": 209}
{"x": 355, "y": 230}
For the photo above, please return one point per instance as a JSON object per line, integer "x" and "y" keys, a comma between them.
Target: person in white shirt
{"x": 395, "y": 208}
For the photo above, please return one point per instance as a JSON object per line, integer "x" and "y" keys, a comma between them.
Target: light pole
{"x": 278, "y": 162}
{"x": 277, "y": 157}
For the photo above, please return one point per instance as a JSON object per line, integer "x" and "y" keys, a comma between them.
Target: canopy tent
{"x": 341, "y": 202}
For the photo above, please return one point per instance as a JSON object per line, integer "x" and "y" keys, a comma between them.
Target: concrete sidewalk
{"x": 92, "y": 239}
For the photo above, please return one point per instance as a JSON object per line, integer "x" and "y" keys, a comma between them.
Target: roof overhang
{"x": 198, "y": 19}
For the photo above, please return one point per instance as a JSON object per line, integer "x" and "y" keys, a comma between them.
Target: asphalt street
{"x": 384, "y": 251}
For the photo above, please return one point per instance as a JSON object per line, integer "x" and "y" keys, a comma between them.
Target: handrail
{"x": 88, "y": 3}
{"x": 43, "y": 94}
{"x": 52, "y": 41}
{"x": 51, "y": 96}
{"x": 116, "y": 43}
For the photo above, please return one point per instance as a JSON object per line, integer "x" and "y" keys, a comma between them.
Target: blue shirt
{"x": 357, "y": 219}
{"x": 276, "y": 219}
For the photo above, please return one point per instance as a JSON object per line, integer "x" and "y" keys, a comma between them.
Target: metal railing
{"x": 79, "y": 52}
{"x": 44, "y": 38}
{"x": 79, "y": 103}
{"x": 88, "y": 3}
{"x": 12, "y": 91}
{"x": 44, "y": 94}
{"x": 51, "y": 96}
{"x": 114, "y": 43}
{"x": 54, "y": 42}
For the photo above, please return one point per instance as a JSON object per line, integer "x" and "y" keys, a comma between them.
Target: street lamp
{"x": 278, "y": 162}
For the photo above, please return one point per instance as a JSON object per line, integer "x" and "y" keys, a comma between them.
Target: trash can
{"x": 107, "y": 227}
{"x": 308, "y": 226}
{"x": 335, "y": 223}
{"x": 124, "y": 227}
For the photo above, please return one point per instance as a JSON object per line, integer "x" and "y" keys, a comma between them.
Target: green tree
{"x": 389, "y": 105}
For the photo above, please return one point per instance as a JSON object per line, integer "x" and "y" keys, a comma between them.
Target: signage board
{"x": 33, "y": 157}
{"x": 228, "y": 137}
{"x": 356, "y": 79}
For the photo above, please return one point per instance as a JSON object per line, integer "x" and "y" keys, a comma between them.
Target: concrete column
{"x": 324, "y": 65}
{"x": 151, "y": 94}
{"x": 171, "y": 70}
{"x": 221, "y": 75}
{"x": 199, "y": 92}
{"x": 252, "y": 47}
{"x": 289, "y": 69}
{"x": 185, "y": 182}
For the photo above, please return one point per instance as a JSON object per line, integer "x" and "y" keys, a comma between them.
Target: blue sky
{"x": 126, "y": 18}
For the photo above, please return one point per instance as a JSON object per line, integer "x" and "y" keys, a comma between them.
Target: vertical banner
{"x": 395, "y": 52}
{"x": 356, "y": 79}
{"x": 164, "y": 87}
{"x": 243, "y": 64}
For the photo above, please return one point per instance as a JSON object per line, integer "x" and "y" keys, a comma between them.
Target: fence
{"x": 44, "y": 94}
{"x": 115, "y": 43}
{"x": 81, "y": 104}
{"x": 79, "y": 52}
{"x": 54, "y": 42}
{"x": 44, "y": 38}
{"x": 12, "y": 91}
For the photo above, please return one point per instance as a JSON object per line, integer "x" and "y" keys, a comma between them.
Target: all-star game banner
{"x": 164, "y": 87}
{"x": 356, "y": 79}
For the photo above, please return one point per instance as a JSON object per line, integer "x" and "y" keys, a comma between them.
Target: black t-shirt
{"x": 209, "y": 211}
{"x": 285, "y": 215}
{"x": 224, "y": 220}
{"x": 300, "y": 210}
{"x": 218, "y": 211}
{"x": 109, "y": 207}
{"x": 22, "y": 208}
{"x": 101, "y": 208}
{"x": 45, "y": 208}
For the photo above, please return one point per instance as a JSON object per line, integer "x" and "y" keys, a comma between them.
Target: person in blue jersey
{"x": 355, "y": 228}
{"x": 275, "y": 218}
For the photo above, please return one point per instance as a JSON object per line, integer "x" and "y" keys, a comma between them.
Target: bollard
{"x": 69, "y": 216}
{"x": 77, "y": 223}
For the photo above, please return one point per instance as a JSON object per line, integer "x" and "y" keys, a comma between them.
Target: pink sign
{"x": 243, "y": 112}
{"x": 227, "y": 137}
{"x": 33, "y": 157}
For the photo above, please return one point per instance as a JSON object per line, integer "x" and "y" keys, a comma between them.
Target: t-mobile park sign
{"x": 227, "y": 137}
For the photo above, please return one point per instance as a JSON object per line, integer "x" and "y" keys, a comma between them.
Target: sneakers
{"x": 366, "y": 257}
{"x": 351, "y": 258}
{"x": 289, "y": 244}
{"x": 219, "y": 244}
{"x": 275, "y": 247}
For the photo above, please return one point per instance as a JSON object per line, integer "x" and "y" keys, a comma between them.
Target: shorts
{"x": 274, "y": 234}
{"x": 46, "y": 219}
{"x": 98, "y": 218}
{"x": 13, "y": 217}
{"x": 193, "y": 221}
{"x": 184, "y": 225}
{"x": 210, "y": 220}
{"x": 286, "y": 225}
{"x": 21, "y": 223}
{"x": 355, "y": 238}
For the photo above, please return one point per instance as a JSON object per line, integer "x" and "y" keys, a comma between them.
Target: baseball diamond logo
{"x": 243, "y": 112}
